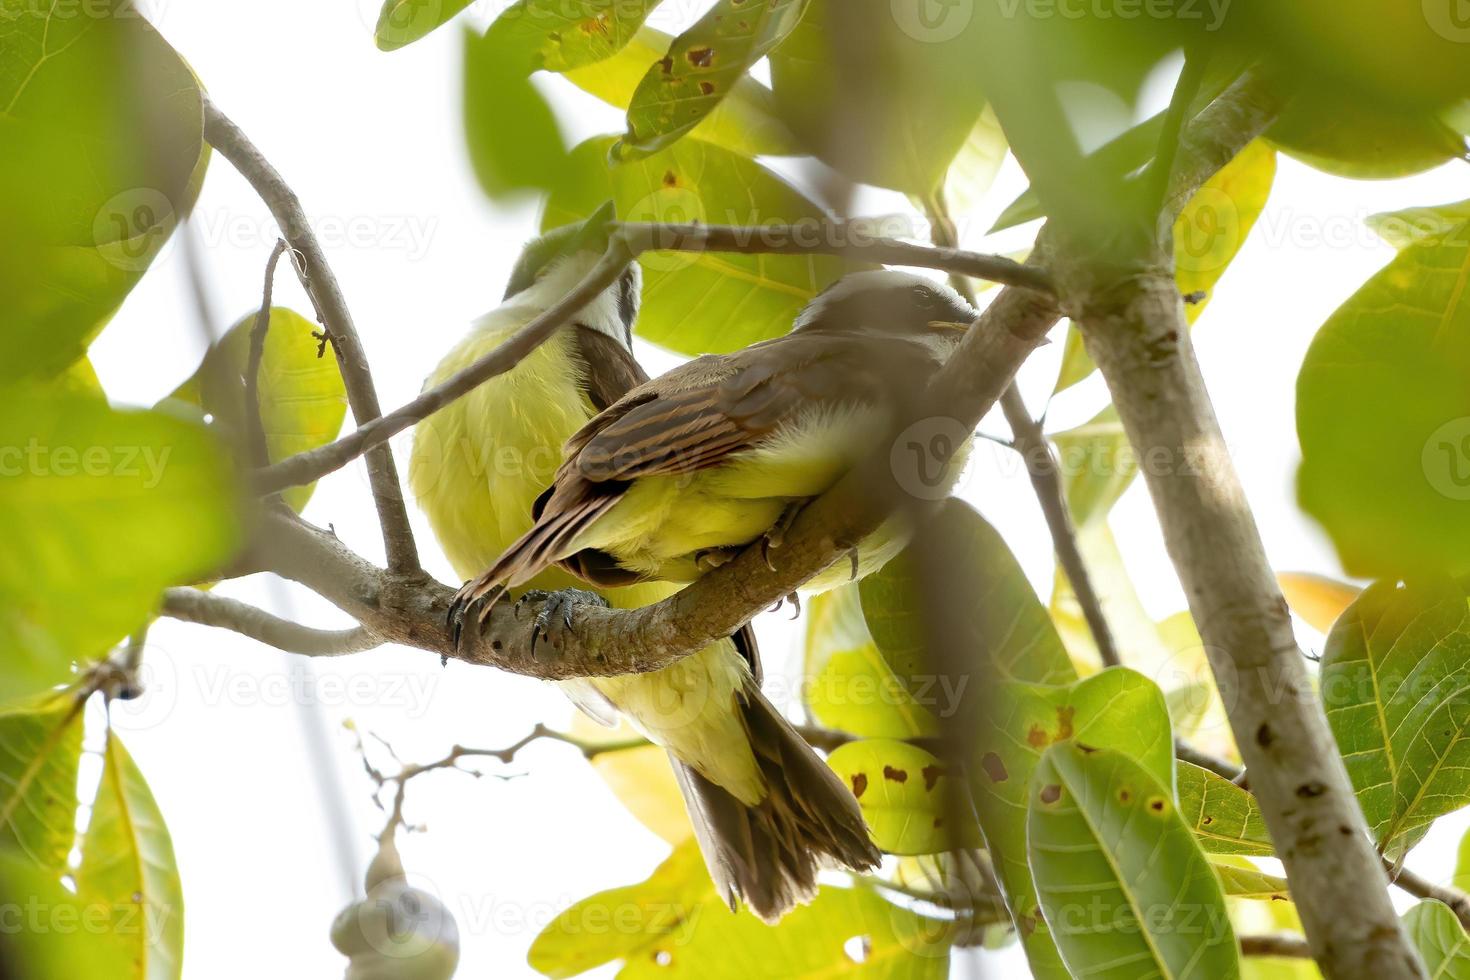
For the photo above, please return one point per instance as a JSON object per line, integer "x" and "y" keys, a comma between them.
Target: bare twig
{"x": 1277, "y": 944}
{"x": 259, "y": 452}
{"x": 331, "y": 306}
{"x": 206, "y": 609}
{"x": 1223, "y": 768}
{"x": 1029, "y": 440}
{"x": 626, "y": 242}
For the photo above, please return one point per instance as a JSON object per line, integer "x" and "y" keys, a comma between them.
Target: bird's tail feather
{"x": 769, "y": 854}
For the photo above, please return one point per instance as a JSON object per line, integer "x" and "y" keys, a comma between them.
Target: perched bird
{"x": 686, "y": 470}
{"x": 766, "y": 809}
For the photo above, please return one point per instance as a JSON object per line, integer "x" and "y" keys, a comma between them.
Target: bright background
{"x": 270, "y": 812}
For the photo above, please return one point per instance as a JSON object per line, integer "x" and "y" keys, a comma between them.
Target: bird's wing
{"x": 699, "y": 414}
{"x": 609, "y": 369}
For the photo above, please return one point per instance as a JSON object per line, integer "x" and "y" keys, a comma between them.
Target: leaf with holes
{"x": 560, "y": 35}
{"x": 1394, "y": 676}
{"x": 1117, "y": 708}
{"x": 1226, "y": 819}
{"x": 1439, "y": 937}
{"x": 302, "y": 398}
{"x": 147, "y": 500}
{"x": 40, "y": 747}
{"x": 904, "y": 792}
{"x": 102, "y": 124}
{"x": 128, "y": 869}
{"x": 704, "y": 302}
{"x": 1124, "y": 886}
{"x": 701, "y": 67}
{"x": 745, "y": 121}
{"x": 1383, "y": 415}
{"x": 847, "y": 683}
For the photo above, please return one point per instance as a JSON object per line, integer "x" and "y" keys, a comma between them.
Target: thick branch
{"x": 626, "y": 243}
{"x": 1133, "y": 322}
{"x": 206, "y": 609}
{"x": 332, "y": 311}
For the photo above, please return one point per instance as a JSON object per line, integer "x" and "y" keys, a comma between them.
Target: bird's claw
{"x": 555, "y": 618}
{"x": 775, "y": 535}
{"x": 475, "y": 599}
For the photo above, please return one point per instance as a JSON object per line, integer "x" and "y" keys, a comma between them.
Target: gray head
{"x": 554, "y": 263}
{"x": 889, "y": 303}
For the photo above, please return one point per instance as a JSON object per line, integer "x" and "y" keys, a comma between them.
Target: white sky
{"x": 371, "y": 142}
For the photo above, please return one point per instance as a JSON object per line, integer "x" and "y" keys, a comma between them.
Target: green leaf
{"x": 1357, "y": 137}
{"x": 1436, "y": 933}
{"x": 627, "y": 922}
{"x": 1393, "y": 675}
{"x": 1120, "y": 877}
{"x": 102, "y": 125}
{"x": 847, "y": 683}
{"x": 1226, "y": 819}
{"x": 128, "y": 869}
{"x": 1010, "y": 630}
{"x": 1239, "y": 882}
{"x": 1117, "y": 708}
{"x": 975, "y": 166}
{"x": 40, "y": 747}
{"x": 100, "y": 510}
{"x": 560, "y": 35}
{"x": 862, "y": 94}
{"x": 514, "y": 143}
{"x": 1383, "y": 415}
{"x": 674, "y": 925}
{"x": 903, "y": 791}
{"x": 701, "y": 67}
{"x": 1413, "y": 225}
{"x": 402, "y": 22}
{"x": 1461, "y": 880}
{"x": 745, "y": 121}
{"x": 1208, "y": 234}
{"x": 702, "y": 302}
{"x": 302, "y": 398}
{"x": 50, "y": 953}
{"x": 1098, "y": 465}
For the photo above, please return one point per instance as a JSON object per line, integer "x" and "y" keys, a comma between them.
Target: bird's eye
{"x": 925, "y": 298}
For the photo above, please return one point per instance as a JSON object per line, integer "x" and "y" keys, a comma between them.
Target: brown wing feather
{"x": 610, "y": 370}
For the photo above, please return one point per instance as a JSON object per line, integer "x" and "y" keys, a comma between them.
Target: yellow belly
{"x": 477, "y": 468}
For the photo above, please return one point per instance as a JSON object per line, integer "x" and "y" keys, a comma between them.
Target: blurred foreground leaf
{"x": 40, "y": 747}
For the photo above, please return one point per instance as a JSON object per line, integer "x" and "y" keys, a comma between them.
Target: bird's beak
{"x": 947, "y": 325}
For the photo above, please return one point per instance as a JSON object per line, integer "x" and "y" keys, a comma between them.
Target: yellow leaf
{"x": 1317, "y": 599}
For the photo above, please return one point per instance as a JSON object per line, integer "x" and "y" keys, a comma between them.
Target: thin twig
{"x": 331, "y": 306}
{"x": 196, "y": 606}
{"x": 626, "y": 242}
{"x": 1029, "y": 440}
{"x": 259, "y": 451}
{"x": 1156, "y": 181}
{"x": 1276, "y": 944}
{"x": 1223, "y": 768}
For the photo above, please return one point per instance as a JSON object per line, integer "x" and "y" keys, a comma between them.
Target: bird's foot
{"x": 474, "y": 600}
{"x": 775, "y": 535}
{"x": 795, "y": 601}
{"x": 712, "y": 558}
{"x": 554, "y": 618}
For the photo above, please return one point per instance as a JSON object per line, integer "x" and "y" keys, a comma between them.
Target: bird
{"x": 767, "y": 811}
{"x": 684, "y": 471}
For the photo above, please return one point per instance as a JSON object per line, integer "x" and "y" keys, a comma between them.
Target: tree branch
{"x": 196, "y": 606}
{"x": 259, "y": 452}
{"x": 1133, "y": 323}
{"x": 331, "y": 310}
{"x": 1279, "y": 944}
{"x": 627, "y": 242}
